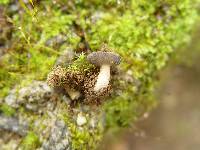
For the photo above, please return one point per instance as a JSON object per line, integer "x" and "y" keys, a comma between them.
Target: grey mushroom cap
{"x": 101, "y": 58}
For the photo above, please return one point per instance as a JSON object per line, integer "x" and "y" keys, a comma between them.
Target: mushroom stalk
{"x": 103, "y": 78}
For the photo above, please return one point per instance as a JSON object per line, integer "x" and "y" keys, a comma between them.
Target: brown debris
{"x": 74, "y": 80}
{"x": 92, "y": 97}
{"x": 6, "y": 29}
{"x": 84, "y": 83}
{"x": 55, "y": 77}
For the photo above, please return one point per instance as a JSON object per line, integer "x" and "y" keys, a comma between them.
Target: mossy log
{"x": 56, "y": 37}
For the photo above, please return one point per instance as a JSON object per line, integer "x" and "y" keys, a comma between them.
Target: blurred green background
{"x": 174, "y": 124}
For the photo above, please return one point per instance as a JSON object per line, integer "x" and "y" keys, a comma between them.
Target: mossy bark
{"x": 144, "y": 33}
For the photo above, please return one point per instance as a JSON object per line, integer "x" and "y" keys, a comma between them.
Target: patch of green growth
{"x": 145, "y": 35}
{"x": 19, "y": 67}
{"x": 30, "y": 58}
{"x": 44, "y": 26}
{"x": 121, "y": 111}
{"x": 141, "y": 34}
{"x": 7, "y": 110}
{"x": 82, "y": 138}
{"x": 124, "y": 110}
{"x": 186, "y": 57}
{"x": 30, "y": 142}
{"x": 80, "y": 64}
{"x": 4, "y": 2}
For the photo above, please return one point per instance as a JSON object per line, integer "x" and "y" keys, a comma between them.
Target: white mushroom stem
{"x": 103, "y": 78}
{"x": 72, "y": 93}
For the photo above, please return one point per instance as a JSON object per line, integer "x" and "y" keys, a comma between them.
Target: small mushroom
{"x": 105, "y": 60}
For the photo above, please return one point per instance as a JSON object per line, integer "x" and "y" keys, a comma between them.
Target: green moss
{"x": 83, "y": 138}
{"x": 144, "y": 33}
{"x": 7, "y": 110}
{"x": 80, "y": 64}
{"x": 30, "y": 142}
{"x": 121, "y": 118}
{"x": 4, "y": 2}
{"x": 186, "y": 57}
{"x": 30, "y": 58}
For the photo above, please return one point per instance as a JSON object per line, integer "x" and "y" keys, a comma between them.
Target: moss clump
{"x": 84, "y": 140}
{"x": 84, "y": 137}
{"x": 73, "y": 80}
{"x": 31, "y": 141}
{"x": 30, "y": 56}
{"x": 4, "y": 2}
{"x": 7, "y": 110}
{"x": 142, "y": 35}
{"x": 80, "y": 65}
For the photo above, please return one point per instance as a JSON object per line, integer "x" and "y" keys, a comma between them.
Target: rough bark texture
{"x": 37, "y": 36}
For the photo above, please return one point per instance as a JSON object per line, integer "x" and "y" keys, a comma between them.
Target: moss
{"x": 144, "y": 33}
{"x": 4, "y": 2}
{"x": 31, "y": 141}
{"x": 186, "y": 57}
{"x": 83, "y": 137}
{"x": 7, "y": 110}
{"x": 80, "y": 65}
{"x": 30, "y": 56}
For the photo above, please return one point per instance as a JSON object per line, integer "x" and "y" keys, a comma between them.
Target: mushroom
{"x": 105, "y": 60}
